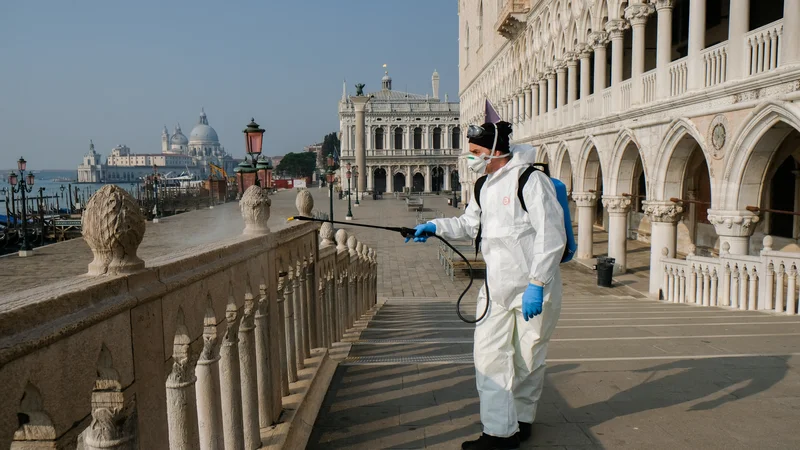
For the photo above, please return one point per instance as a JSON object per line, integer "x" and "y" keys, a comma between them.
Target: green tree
{"x": 297, "y": 165}
{"x": 331, "y": 144}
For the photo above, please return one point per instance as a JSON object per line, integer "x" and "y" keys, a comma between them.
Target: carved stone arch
{"x": 667, "y": 175}
{"x": 757, "y": 143}
{"x": 35, "y": 425}
{"x": 624, "y": 156}
{"x": 601, "y": 15}
{"x": 562, "y": 168}
{"x": 589, "y": 164}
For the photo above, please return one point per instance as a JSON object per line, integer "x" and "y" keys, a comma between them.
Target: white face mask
{"x": 477, "y": 164}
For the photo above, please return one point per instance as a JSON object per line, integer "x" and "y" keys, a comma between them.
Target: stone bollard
{"x": 304, "y": 203}
{"x": 255, "y": 204}
{"x": 113, "y": 227}
{"x": 341, "y": 241}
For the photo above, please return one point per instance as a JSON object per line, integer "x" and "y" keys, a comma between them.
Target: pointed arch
{"x": 625, "y": 156}
{"x": 590, "y": 166}
{"x": 562, "y": 168}
{"x": 680, "y": 139}
{"x": 758, "y": 144}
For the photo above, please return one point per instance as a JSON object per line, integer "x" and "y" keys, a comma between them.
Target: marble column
{"x": 637, "y": 16}
{"x": 409, "y": 177}
{"x": 599, "y": 40}
{"x": 390, "y": 180}
{"x": 618, "y": 208}
{"x": 572, "y": 80}
{"x": 551, "y": 91}
{"x": 664, "y": 218}
{"x": 542, "y": 97}
{"x": 697, "y": 42}
{"x": 446, "y": 181}
{"x": 664, "y": 46}
{"x": 514, "y": 110}
{"x": 735, "y": 228}
{"x": 586, "y": 203}
{"x": 738, "y": 26}
{"x": 528, "y": 105}
{"x": 790, "y": 50}
{"x": 616, "y": 31}
{"x": 359, "y": 103}
{"x": 428, "y": 181}
{"x": 561, "y": 84}
{"x": 370, "y": 179}
{"x": 521, "y": 103}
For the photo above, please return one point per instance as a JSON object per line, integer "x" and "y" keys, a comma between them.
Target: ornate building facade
{"x": 675, "y": 122}
{"x": 412, "y": 141}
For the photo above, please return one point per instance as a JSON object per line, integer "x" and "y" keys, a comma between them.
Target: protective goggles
{"x": 476, "y": 131}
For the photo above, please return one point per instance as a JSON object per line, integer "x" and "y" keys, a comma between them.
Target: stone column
{"x": 209, "y": 412}
{"x": 599, "y": 40}
{"x": 637, "y": 16}
{"x": 551, "y": 91}
{"x": 408, "y": 177}
{"x": 247, "y": 366}
{"x": 572, "y": 79}
{"x": 697, "y": 42}
{"x": 230, "y": 385}
{"x": 181, "y": 397}
{"x": 585, "y": 54}
{"x": 664, "y": 217}
{"x": 618, "y": 208}
{"x": 521, "y": 102}
{"x": 428, "y": 183}
{"x": 542, "y": 97}
{"x": 359, "y": 103}
{"x": 389, "y": 180}
{"x": 514, "y": 109}
{"x": 446, "y": 181}
{"x": 283, "y": 343}
{"x": 264, "y": 359}
{"x": 616, "y": 31}
{"x": 664, "y": 46}
{"x": 528, "y": 105}
{"x": 734, "y": 228}
{"x": 738, "y": 26}
{"x": 561, "y": 84}
{"x": 370, "y": 180}
{"x": 790, "y": 50}
{"x": 585, "y": 201}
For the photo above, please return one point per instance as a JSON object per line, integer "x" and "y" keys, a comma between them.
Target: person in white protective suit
{"x": 522, "y": 251}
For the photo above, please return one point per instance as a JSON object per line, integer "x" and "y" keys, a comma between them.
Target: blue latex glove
{"x": 423, "y": 228}
{"x": 532, "y": 300}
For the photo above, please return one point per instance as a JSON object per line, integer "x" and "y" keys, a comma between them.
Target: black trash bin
{"x": 605, "y": 271}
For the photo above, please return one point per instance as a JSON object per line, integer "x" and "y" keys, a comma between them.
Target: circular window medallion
{"x": 717, "y": 135}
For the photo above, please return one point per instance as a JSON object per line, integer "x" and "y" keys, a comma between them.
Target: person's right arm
{"x": 465, "y": 226}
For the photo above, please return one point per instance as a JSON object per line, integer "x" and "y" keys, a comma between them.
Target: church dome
{"x": 202, "y": 132}
{"x": 178, "y": 138}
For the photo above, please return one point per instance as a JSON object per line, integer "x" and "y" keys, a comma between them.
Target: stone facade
{"x": 412, "y": 141}
{"x": 619, "y": 107}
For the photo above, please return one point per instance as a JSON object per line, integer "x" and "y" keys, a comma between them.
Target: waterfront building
{"x": 674, "y": 122}
{"x": 412, "y": 141}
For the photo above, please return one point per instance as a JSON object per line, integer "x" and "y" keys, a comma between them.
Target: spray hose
{"x": 410, "y": 233}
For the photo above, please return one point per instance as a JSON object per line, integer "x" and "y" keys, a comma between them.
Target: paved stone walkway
{"x": 624, "y": 371}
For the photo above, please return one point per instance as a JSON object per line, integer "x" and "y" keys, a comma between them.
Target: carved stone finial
{"x": 304, "y": 203}
{"x": 341, "y": 241}
{"x": 359, "y": 248}
{"x": 113, "y": 227}
{"x": 326, "y": 234}
{"x": 767, "y": 243}
{"x": 255, "y": 204}
{"x": 351, "y": 244}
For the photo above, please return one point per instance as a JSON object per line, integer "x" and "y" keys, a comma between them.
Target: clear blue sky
{"x": 117, "y": 71}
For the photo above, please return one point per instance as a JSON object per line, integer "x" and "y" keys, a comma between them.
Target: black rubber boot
{"x": 487, "y": 442}
{"x": 524, "y": 432}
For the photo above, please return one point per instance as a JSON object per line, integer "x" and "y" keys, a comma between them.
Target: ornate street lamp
{"x": 254, "y": 137}
{"x": 355, "y": 181}
{"x": 155, "y": 193}
{"x": 23, "y": 185}
{"x": 349, "y": 209}
{"x": 62, "y": 189}
{"x": 331, "y": 178}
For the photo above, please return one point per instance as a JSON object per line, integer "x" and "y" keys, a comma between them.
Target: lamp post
{"x": 331, "y": 177}
{"x": 254, "y": 138}
{"x": 155, "y": 193}
{"x": 349, "y": 209}
{"x": 24, "y": 186}
{"x": 355, "y": 181}
{"x": 62, "y": 189}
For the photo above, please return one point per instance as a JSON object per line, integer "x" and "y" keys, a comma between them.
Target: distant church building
{"x": 412, "y": 140}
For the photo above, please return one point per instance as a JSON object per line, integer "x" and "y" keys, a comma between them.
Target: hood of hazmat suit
{"x": 518, "y": 248}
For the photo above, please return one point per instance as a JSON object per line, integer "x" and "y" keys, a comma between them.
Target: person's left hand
{"x": 532, "y": 300}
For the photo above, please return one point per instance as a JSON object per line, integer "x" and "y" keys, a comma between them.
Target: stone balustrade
{"x": 198, "y": 350}
{"x": 764, "y": 282}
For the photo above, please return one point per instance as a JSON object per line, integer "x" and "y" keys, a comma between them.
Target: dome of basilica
{"x": 202, "y": 132}
{"x": 178, "y": 138}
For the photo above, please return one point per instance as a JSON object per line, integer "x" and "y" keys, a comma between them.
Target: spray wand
{"x": 410, "y": 233}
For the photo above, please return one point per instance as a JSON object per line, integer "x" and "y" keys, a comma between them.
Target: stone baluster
{"x": 342, "y": 300}
{"x": 743, "y": 283}
{"x": 682, "y": 287}
{"x": 113, "y": 227}
{"x": 665, "y": 282}
{"x": 735, "y": 286}
{"x": 181, "y": 398}
{"x": 111, "y": 427}
{"x": 264, "y": 360}
{"x": 301, "y": 310}
{"x": 230, "y": 384}
{"x": 706, "y": 287}
{"x": 291, "y": 332}
{"x": 692, "y": 289}
{"x": 671, "y": 287}
{"x": 698, "y": 298}
{"x": 362, "y": 304}
{"x": 352, "y": 294}
{"x": 247, "y": 366}
{"x": 791, "y": 291}
{"x": 714, "y": 286}
{"x": 37, "y": 432}
{"x": 298, "y": 291}
{"x": 312, "y": 304}
{"x": 752, "y": 295}
{"x": 255, "y": 206}
{"x": 779, "y": 290}
{"x": 323, "y": 302}
{"x": 283, "y": 333}
{"x": 209, "y": 411}
{"x": 332, "y": 310}
{"x": 726, "y": 285}
{"x": 769, "y": 288}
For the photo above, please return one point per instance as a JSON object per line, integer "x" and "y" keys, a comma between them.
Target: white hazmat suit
{"x": 518, "y": 247}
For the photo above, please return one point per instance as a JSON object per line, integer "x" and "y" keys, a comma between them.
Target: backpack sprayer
{"x": 410, "y": 233}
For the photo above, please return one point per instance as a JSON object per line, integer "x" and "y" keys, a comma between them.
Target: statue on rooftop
{"x": 360, "y": 89}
